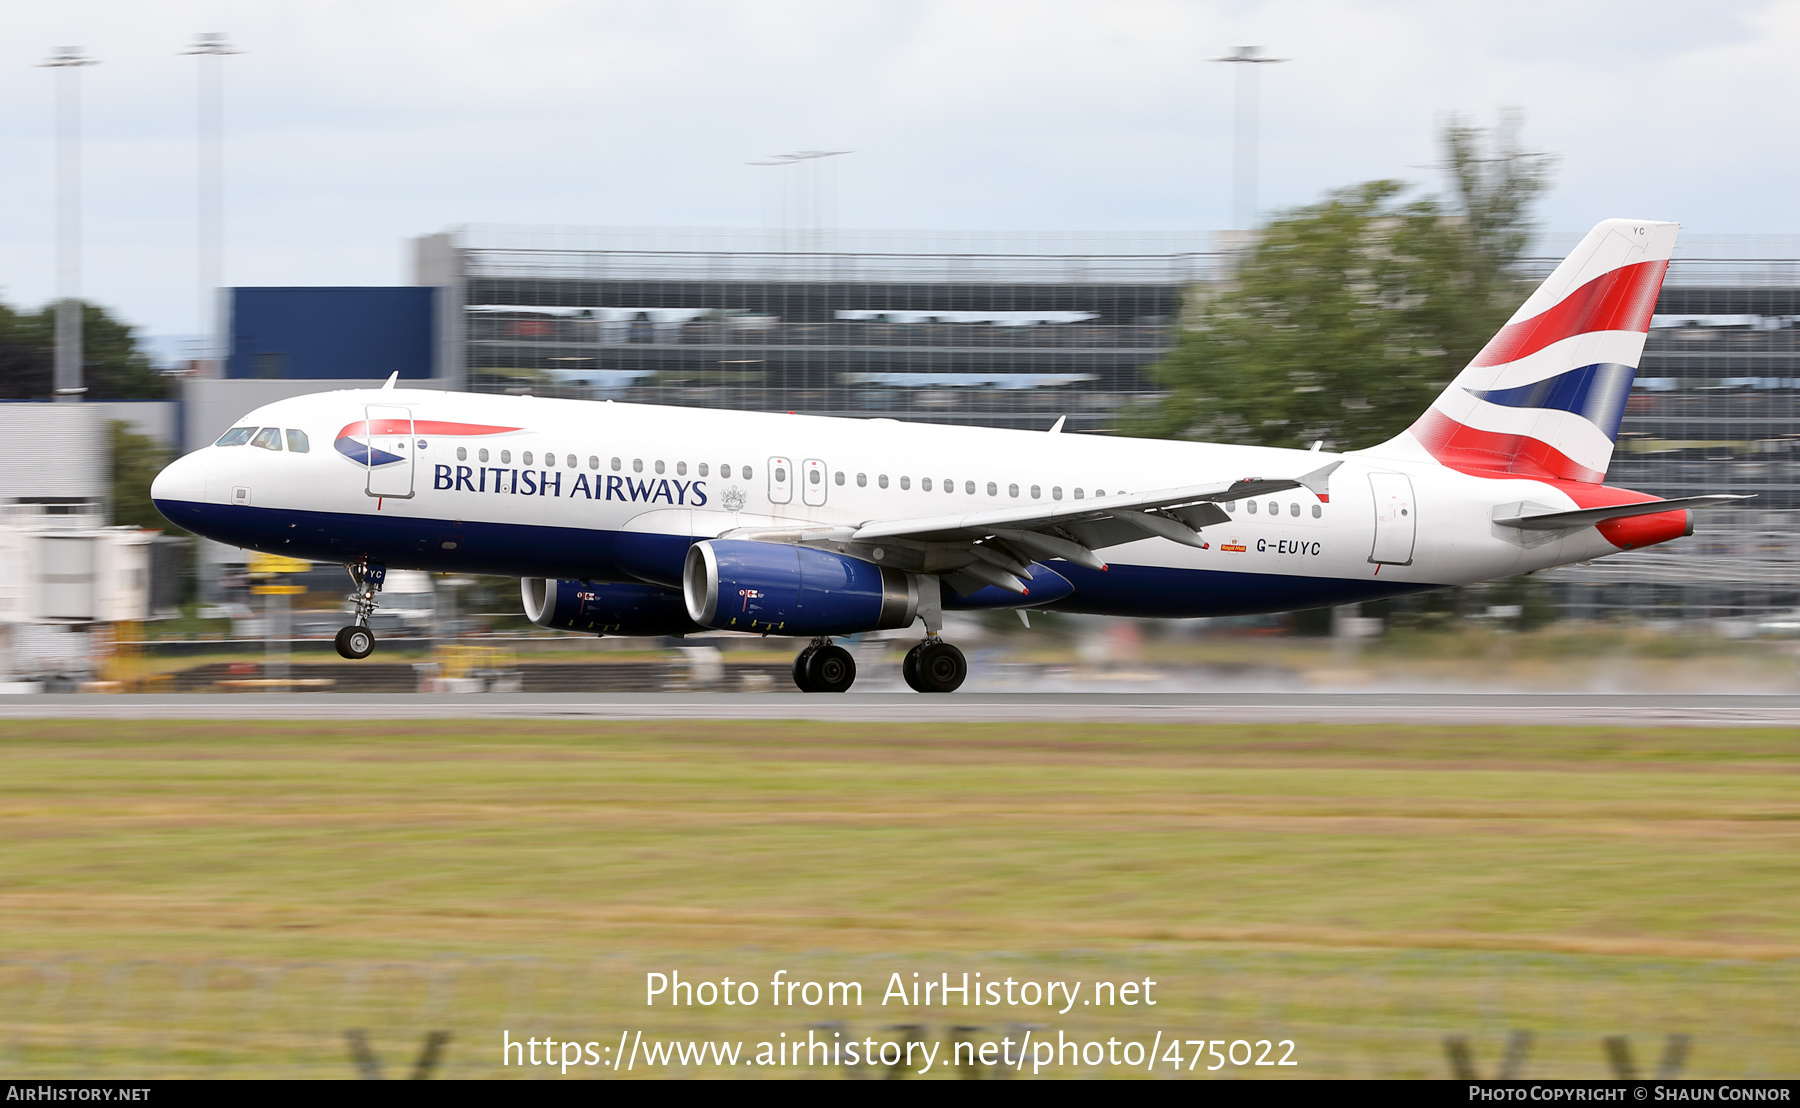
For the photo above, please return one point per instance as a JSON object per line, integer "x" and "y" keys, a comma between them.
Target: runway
{"x": 1523, "y": 709}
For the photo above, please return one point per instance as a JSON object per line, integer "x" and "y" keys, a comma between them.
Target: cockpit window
{"x": 237, "y": 436}
{"x": 297, "y": 441}
{"x": 269, "y": 438}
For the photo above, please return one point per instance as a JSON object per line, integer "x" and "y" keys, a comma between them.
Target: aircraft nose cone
{"x": 181, "y": 479}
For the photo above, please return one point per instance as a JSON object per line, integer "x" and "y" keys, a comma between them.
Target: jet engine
{"x": 617, "y": 609}
{"x": 775, "y": 588}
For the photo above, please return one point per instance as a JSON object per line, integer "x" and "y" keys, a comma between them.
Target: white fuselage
{"x": 538, "y": 487}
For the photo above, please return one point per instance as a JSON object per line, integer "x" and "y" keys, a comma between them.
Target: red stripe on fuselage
{"x": 1621, "y": 300}
{"x": 420, "y": 427}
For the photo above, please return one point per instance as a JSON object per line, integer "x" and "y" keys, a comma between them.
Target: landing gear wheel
{"x": 800, "y": 661}
{"x": 941, "y": 668}
{"x": 830, "y": 669}
{"x": 909, "y": 669}
{"x": 355, "y": 641}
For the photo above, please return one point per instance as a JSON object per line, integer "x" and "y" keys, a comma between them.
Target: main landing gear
{"x": 824, "y": 667}
{"x": 357, "y": 641}
{"x": 934, "y": 666}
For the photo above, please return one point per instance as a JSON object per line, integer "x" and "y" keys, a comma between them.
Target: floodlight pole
{"x": 211, "y": 48}
{"x": 68, "y": 61}
{"x": 1243, "y": 199}
{"x": 803, "y": 157}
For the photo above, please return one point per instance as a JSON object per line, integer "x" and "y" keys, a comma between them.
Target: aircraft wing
{"x": 1074, "y": 529}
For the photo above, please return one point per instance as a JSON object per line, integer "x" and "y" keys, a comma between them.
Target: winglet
{"x": 1056, "y": 428}
{"x": 392, "y": 377}
{"x": 1318, "y": 481}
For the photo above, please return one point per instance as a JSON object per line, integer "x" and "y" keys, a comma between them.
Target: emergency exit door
{"x": 1396, "y": 523}
{"x": 388, "y": 435}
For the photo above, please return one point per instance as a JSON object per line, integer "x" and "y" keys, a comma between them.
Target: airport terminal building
{"x": 1015, "y": 330}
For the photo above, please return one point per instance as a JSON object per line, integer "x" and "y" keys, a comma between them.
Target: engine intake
{"x": 775, "y": 588}
{"x": 619, "y": 609}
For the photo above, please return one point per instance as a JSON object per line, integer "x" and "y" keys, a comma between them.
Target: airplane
{"x": 626, "y": 519}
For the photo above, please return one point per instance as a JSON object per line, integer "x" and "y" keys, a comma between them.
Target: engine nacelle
{"x": 621, "y": 609}
{"x": 775, "y": 588}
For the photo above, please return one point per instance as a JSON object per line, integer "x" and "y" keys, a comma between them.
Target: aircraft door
{"x": 1396, "y": 523}
{"x": 390, "y": 449}
{"x": 781, "y": 481}
{"x": 813, "y": 482}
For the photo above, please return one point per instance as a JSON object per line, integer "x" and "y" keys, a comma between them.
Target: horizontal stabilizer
{"x": 1587, "y": 517}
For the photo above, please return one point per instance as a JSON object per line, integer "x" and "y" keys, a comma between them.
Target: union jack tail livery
{"x": 1544, "y": 397}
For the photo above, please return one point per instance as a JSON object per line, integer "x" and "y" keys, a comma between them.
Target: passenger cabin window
{"x": 838, "y": 476}
{"x": 1012, "y": 491}
{"x": 549, "y": 459}
{"x": 747, "y": 474}
{"x": 615, "y": 465}
{"x": 862, "y": 481}
{"x": 269, "y": 438}
{"x": 924, "y": 483}
{"x": 703, "y": 469}
{"x": 659, "y": 465}
{"x": 1317, "y": 512}
{"x": 506, "y": 457}
{"x": 725, "y": 470}
{"x": 637, "y": 465}
{"x": 1293, "y": 509}
{"x": 297, "y": 441}
{"x": 681, "y": 469}
{"x": 1078, "y": 494}
{"x": 593, "y": 461}
{"x": 482, "y": 454}
{"x": 1037, "y": 493}
{"x": 462, "y": 453}
{"x": 1056, "y": 492}
{"x": 812, "y": 476}
{"x": 237, "y": 436}
{"x": 969, "y": 487}
{"x": 1250, "y": 506}
{"x": 527, "y": 458}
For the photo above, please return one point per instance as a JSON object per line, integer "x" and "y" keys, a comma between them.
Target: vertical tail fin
{"x": 1545, "y": 395}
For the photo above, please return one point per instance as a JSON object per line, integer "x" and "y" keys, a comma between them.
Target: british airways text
{"x": 546, "y": 482}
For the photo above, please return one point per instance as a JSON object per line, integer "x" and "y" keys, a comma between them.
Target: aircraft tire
{"x": 831, "y": 669}
{"x": 800, "y": 679}
{"x": 909, "y": 668}
{"x": 942, "y": 668}
{"x": 355, "y": 642}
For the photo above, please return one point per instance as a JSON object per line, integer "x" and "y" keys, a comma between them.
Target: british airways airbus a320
{"x": 637, "y": 520}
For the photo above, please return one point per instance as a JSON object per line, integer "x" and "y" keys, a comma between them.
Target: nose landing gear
{"x": 357, "y": 641}
{"x": 824, "y": 667}
{"x": 934, "y": 666}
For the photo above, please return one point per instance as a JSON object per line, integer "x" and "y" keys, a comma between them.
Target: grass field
{"x": 230, "y": 898}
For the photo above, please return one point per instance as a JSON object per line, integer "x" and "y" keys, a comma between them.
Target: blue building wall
{"x": 312, "y": 333}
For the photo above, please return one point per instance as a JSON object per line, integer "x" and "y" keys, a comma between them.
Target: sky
{"x": 353, "y": 126}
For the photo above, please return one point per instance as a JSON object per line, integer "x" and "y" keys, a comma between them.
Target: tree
{"x": 1347, "y": 317}
{"x": 113, "y": 368}
{"x": 136, "y": 460}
